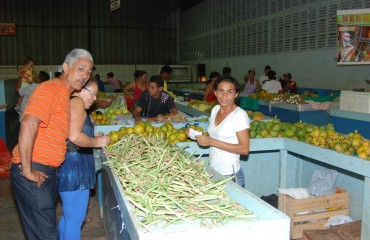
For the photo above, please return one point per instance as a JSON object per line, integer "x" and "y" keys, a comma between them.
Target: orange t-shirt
{"x": 50, "y": 102}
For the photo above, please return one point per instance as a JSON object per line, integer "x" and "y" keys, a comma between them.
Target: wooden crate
{"x": 347, "y": 231}
{"x": 314, "y": 212}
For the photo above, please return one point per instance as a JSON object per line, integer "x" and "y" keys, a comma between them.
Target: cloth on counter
{"x": 313, "y": 106}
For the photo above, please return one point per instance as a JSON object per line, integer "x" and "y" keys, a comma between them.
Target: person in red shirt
{"x": 209, "y": 93}
{"x": 290, "y": 86}
{"x": 134, "y": 89}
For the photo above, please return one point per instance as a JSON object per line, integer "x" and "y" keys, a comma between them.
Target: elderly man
{"x": 42, "y": 146}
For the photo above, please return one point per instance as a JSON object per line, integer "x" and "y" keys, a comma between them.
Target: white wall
{"x": 125, "y": 73}
{"x": 313, "y": 69}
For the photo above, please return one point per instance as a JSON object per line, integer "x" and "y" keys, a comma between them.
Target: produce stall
{"x": 315, "y": 113}
{"x": 348, "y": 121}
{"x": 311, "y": 113}
{"x": 287, "y": 163}
{"x": 121, "y": 223}
{"x": 183, "y": 107}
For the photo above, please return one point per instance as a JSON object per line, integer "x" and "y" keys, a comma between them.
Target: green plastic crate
{"x": 249, "y": 103}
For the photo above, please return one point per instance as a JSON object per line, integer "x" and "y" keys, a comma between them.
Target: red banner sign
{"x": 8, "y": 28}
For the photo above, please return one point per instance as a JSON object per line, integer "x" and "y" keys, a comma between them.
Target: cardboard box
{"x": 314, "y": 212}
{"x": 355, "y": 101}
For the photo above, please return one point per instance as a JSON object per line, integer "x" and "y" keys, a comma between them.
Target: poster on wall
{"x": 353, "y": 28}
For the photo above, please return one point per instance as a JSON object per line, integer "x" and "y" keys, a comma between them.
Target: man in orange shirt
{"x": 42, "y": 146}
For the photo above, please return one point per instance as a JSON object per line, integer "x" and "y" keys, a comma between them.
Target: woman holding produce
{"x": 228, "y": 131}
{"x": 77, "y": 173}
{"x": 252, "y": 85}
{"x": 209, "y": 93}
{"x": 134, "y": 89}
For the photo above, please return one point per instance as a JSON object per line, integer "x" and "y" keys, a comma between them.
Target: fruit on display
{"x": 110, "y": 114}
{"x": 202, "y": 106}
{"x": 176, "y": 118}
{"x": 289, "y": 98}
{"x": 255, "y": 115}
{"x": 264, "y": 95}
{"x": 145, "y": 129}
{"x": 322, "y": 136}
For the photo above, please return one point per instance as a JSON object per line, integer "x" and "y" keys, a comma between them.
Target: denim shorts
{"x": 238, "y": 178}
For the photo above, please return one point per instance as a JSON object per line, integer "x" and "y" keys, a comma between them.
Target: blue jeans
{"x": 36, "y": 205}
{"x": 238, "y": 178}
{"x": 74, "y": 204}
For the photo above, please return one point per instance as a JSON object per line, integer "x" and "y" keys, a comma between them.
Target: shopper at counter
{"x": 42, "y": 146}
{"x": 265, "y": 77}
{"x": 77, "y": 173}
{"x": 290, "y": 86}
{"x": 272, "y": 85}
{"x": 26, "y": 92}
{"x": 154, "y": 102}
{"x": 209, "y": 93}
{"x": 165, "y": 73}
{"x": 228, "y": 131}
{"x": 252, "y": 85}
{"x": 114, "y": 82}
{"x": 134, "y": 89}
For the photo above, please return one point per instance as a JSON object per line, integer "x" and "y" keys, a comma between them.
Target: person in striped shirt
{"x": 42, "y": 146}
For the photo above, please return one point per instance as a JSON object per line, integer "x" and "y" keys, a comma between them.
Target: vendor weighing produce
{"x": 154, "y": 102}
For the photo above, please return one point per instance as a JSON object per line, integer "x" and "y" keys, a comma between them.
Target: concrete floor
{"x": 11, "y": 228}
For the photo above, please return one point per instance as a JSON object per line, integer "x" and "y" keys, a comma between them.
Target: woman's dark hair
{"x": 139, "y": 73}
{"x": 246, "y": 77}
{"x": 91, "y": 82}
{"x": 27, "y": 60}
{"x": 213, "y": 75}
{"x": 229, "y": 79}
{"x": 57, "y": 74}
{"x": 166, "y": 69}
{"x": 251, "y": 71}
{"x": 226, "y": 71}
{"x": 110, "y": 74}
{"x": 158, "y": 80}
{"x": 43, "y": 76}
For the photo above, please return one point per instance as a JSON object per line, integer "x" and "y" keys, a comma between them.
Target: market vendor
{"x": 154, "y": 102}
{"x": 228, "y": 131}
{"x": 272, "y": 85}
{"x": 290, "y": 86}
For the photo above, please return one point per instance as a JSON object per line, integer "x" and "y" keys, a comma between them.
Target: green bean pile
{"x": 166, "y": 185}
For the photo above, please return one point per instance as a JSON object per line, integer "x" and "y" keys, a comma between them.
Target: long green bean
{"x": 165, "y": 184}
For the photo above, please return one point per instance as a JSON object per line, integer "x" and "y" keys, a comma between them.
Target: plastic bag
{"x": 99, "y": 158}
{"x": 322, "y": 182}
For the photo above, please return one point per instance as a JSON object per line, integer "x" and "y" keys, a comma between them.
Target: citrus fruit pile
{"x": 202, "y": 106}
{"x": 145, "y": 129}
{"x": 324, "y": 136}
{"x": 108, "y": 116}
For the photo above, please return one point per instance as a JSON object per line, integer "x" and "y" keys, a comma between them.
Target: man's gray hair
{"x": 77, "y": 53}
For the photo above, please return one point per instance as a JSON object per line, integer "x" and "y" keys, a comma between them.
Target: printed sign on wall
{"x": 114, "y": 5}
{"x": 353, "y": 28}
{"x": 8, "y": 28}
